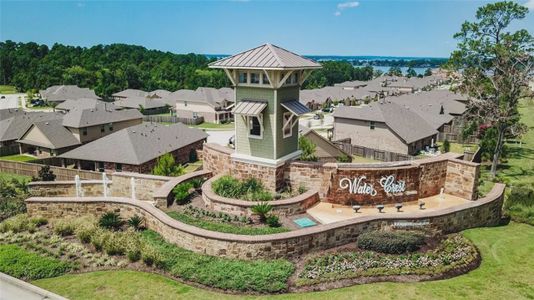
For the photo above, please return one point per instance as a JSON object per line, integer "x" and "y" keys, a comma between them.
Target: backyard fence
{"x": 453, "y": 133}
{"x": 173, "y": 119}
{"x": 370, "y": 153}
{"x": 32, "y": 170}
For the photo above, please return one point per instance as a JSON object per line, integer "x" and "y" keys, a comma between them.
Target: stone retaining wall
{"x": 90, "y": 188}
{"x": 483, "y": 212}
{"x": 145, "y": 185}
{"x": 285, "y": 207}
{"x": 164, "y": 196}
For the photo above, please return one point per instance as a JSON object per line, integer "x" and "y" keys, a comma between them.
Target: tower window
{"x": 265, "y": 79}
{"x": 243, "y": 77}
{"x": 288, "y": 124}
{"x": 254, "y": 127}
{"x": 372, "y": 125}
{"x": 255, "y": 78}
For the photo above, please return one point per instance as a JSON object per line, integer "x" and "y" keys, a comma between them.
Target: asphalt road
{"x": 220, "y": 137}
{"x": 10, "y": 101}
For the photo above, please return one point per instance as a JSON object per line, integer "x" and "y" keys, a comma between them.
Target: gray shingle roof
{"x": 14, "y": 126}
{"x": 84, "y": 103}
{"x": 137, "y": 102}
{"x": 407, "y": 124}
{"x": 57, "y": 135}
{"x": 138, "y": 144}
{"x": 266, "y": 56}
{"x": 130, "y": 93}
{"x": 102, "y": 114}
{"x": 211, "y": 96}
{"x": 59, "y": 93}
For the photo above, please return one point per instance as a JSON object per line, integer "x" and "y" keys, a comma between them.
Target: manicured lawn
{"x": 194, "y": 166}
{"x": 21, "y": 263}
{"x": 9, "y": 176}
{"x": 18, "y": 157}
{"x": 211, "y": 126}
{"x": 507, "y": 272}
{"x": 7, "y": 89}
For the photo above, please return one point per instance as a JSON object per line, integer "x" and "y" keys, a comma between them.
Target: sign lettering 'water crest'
{"x": 358, "y": 185}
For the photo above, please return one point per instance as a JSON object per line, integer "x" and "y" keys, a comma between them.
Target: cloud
{"x": 529, "y": 4}
{"x": 344, "y": 5}
{"x": 348, "y": 5}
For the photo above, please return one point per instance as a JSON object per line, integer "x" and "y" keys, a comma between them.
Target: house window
{"x": 255, "y": 78}
{"x": 265, "y": 79}
{"x": 84, "y": 131}
{"x": 372, "y": 125}
{"x": 254, "y": 127}
{"x": 118, "y": 167}
{"x": 102, "y": 128}
{"x": 288, "y": 124}
{"x": 243, "y": 77}
{"x": 185, "y": 103}
{"x": 110, "y": 126}
{"x": 100, "y": 166}
{"x": 195, "y": 115}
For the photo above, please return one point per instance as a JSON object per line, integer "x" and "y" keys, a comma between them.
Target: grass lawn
{"x": 519, "y": 167}
{"x": 213, "y": 126}
{"x": 7, "y": 89}
{"x": 194, "y": 166}
{"x": 18, "y": 157}
{"x": 507, "y": 272}
{"x": 9, "y": 176}
{"x": 360, "y": 159}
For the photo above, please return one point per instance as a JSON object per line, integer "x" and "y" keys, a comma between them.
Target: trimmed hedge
{"x": 395, "y": 242}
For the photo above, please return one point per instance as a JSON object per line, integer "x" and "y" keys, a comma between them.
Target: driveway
{"x": 10, "y": 101}
{"x": 220, "y": 137}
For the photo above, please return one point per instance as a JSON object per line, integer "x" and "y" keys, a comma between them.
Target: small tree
{"x": 45, "y": 174}
{"x": 428, "y": 72}
{"x": 308, "y": 149}
{"x": 411, "y": 72}
{"x": 395, "y": 71}
{"x": 496, "y": 66}
{"x": 166, "y": 166}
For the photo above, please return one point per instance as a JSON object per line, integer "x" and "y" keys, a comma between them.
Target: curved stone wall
{"x": 285, "y": 207}
{"x": 483, "y": 212}
{"x": 163, "y": 196}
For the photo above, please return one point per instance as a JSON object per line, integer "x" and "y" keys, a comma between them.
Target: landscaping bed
{"x": 250, "y": 189}
{"x": 438, "y": 258}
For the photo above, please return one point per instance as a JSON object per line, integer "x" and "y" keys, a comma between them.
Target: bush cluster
{"x": 182, "y": 192}
{"x": 394, "y": 242}
{"x": 250, "y": 189}
{"x": 20, "y": 223}
{"x": 12, "y": 195}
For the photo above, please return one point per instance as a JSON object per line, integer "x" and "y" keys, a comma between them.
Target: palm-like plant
{"x": 262, "y": 209}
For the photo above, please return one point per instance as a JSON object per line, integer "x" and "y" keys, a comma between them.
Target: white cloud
{"x": 347, "y": 5}
{"x": 529, "y": 4}
{"x": 350, "y": 5}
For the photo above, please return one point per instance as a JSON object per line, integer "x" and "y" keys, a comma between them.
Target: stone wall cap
{"x": 494, "y": 194}
{"x": 142, "y": 176}
{"x": 168, "y": 186}
{"x": 65, "y": 182}
{"x": 219, "y": 148}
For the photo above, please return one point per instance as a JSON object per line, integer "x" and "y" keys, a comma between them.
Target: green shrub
{"x": 446, "y": 146}
{"x": 150, "y": 255}
{"x": 262, "y": 209}
{"x": 344, "y": 158}
{"x": 39, "y": 221}
{"x": 25, "y": 265}
{"x": 166, "y": 166}
{"x": 308, "y": 149}
{"x": 18, "y": 223}
{"x": 273, "y": 221}
{"x": 228, "y": 274}
{"x": 64, "y": 227}
{"x": 227, "y": 186}
{"x": 136, "y": 222}
{"x": 111, "y": 220}
{"x": 394, "y": 242}
{"x": 197, "y": 182}
{"x": 182, "y": 192}
{"x": 520, "y": 204}
{"x": 99, "y": 237}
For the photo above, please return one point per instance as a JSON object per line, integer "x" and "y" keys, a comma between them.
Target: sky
{"x": 417, "y": 28}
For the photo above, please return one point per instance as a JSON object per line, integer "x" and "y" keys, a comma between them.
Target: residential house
{"x": 60, "y": 93}
{"x": 137, "y": 148}
{"x": 84, "y": 103}
{"x": 83, "y": 125}
{"x": 146, "y": 105}
{"x": 384, "y": 126}
{"x": 214, "y": 105}
{"x": 129, "y": 93}
{"x": 325, "y": 150}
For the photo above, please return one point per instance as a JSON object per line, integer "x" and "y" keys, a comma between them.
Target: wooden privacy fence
{"x": 375, "y": 154}
{"x": 173, "y": 119}
{"x": 32, "y": 169}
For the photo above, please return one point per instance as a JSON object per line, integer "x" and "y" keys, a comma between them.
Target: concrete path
{"x": 14, "y": 289}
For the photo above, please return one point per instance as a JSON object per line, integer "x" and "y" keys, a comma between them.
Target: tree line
{"x": 105, "y": 68}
